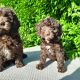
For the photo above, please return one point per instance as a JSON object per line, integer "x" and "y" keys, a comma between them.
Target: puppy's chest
{"x": 7, "y": 53}
{"x": 50, "y": 50}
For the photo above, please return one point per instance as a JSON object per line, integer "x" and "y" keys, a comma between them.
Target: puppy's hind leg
{"x": 19, "y": 56}
{"x": 60, "y": 62}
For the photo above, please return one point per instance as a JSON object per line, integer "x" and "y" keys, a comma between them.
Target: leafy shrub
{"x": 70, "y": 21}
{"x": 30, "y": 12}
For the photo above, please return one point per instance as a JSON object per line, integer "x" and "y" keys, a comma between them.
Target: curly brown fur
{"x": 10, "y": 42}
{"x": 50, "y": 31}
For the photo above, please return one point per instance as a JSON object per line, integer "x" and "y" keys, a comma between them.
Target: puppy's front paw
{"x": 40, "y": 66}
{"x": 19, "y": 64}
{"x": 62, "y": 70}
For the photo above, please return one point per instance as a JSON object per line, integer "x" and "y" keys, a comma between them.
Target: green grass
{"x": 30, "y": 12}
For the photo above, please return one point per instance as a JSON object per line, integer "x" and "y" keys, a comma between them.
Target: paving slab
{"x": 29, "y": 71}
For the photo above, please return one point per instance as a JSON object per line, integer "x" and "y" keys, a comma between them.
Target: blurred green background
{"x": 30, "y": 12}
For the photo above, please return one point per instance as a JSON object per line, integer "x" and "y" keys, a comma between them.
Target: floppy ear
{"x": 38, "y": 29}
{"x": 13, "y": 19}
{"x": 16, "y": 22}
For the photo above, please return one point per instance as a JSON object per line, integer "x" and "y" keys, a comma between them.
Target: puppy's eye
{"x": 2, "y": 24}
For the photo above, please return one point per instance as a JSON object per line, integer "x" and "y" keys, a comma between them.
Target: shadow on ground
{"x": 31, "y": 56}
{"x": 74, "y": 76}
{"x": 34, "y": 56}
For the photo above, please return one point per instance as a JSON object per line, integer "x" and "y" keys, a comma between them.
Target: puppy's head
{"x": 8, "y": 21}
{"x": 49, "y": 29}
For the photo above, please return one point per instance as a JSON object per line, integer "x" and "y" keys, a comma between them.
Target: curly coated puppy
{"x": 10, "y": 42}
{"x": 50, "y": 31}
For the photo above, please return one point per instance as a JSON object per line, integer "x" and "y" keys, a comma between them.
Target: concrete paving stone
{"x": 29, "y": 71}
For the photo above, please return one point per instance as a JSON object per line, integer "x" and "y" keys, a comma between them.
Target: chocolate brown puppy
{"x": 10, "y": 42}
{"x": 50, "y": 31}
